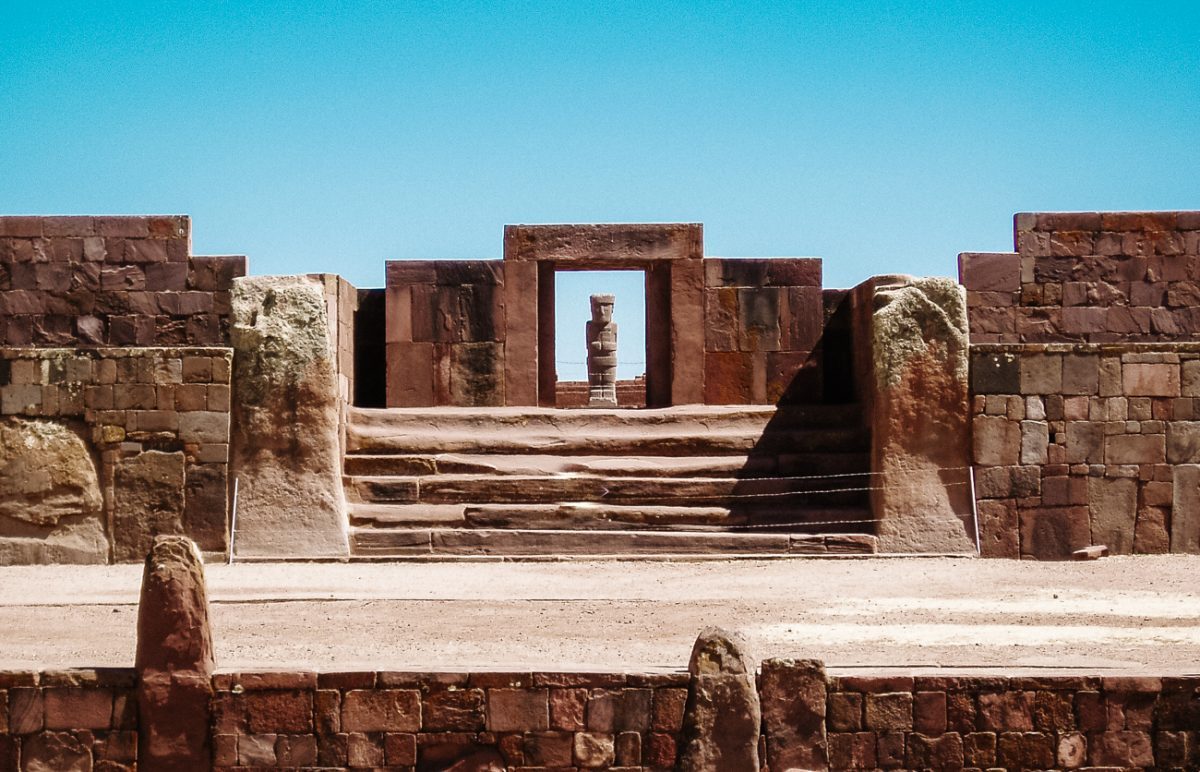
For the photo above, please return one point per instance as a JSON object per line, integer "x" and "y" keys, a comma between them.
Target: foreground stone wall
{"x": 75, "y": 720}
{"x": 152, "y": 426}
{"x": 397, "y": 720}
{"x": 1079, "y": 445}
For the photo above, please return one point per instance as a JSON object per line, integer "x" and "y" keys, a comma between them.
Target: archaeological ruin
{"x": 1042, "y": 405}
{"x": 166, "y": 407}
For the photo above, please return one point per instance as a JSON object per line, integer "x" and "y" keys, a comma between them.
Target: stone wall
{"x": 110, "y": 281}
{"x": 154, "y": 425}
{"x": 1083, "y": 351}
{"x": 74, "y": 720}
{"x": 68, "y": 720}
{"x": 1079, "y": 445}
{"x": 1089, "y": 277}
{"x": 399, "y": 720}
{"x": 762, "y": 322}
{"x": 993, "y": 722}
{"x": 445, "y": 332}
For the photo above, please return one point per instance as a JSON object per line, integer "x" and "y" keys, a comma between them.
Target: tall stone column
{"x": 602, "y": 353}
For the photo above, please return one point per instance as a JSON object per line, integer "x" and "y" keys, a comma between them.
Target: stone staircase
{"x": 547, "y": 482}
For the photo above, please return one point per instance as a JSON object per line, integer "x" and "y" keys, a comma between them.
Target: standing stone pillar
{"x": 602, "y": 353}
{"x": 174, "y": 661}
{"x": 722, "y": 720}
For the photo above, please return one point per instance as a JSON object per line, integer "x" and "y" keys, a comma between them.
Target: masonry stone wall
{"x": 1084, "y": 352}
{"x": 110, "y": 281}
{"x": 88, "y": 719}
{"x": 762, "y": 324}
{"x": 157, "y": 422}
{"x": 1080, "y": 445}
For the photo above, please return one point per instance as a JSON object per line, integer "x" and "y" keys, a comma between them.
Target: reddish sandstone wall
{"x": 1090, "y": 277}
{"x": 87, "y": 719}
{"x": 762, "y": 324}
{"x": 398, "y": 720}
{"x": 116, "y": 281}
{"x": 1083, "y": 418}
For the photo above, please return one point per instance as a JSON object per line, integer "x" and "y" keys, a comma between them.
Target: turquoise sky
{"x": 884, "y": 137}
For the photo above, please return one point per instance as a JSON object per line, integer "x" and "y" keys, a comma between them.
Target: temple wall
{"x": 111, "y": 281}
{"x": 1085, "y": 349}
{"x": 155, "y": 422}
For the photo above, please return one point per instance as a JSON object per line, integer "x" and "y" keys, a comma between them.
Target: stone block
{"x": 996, "y": 441}
{"x": 990, "y": 272}
{"x": 477, "y": 374}
{"x": 1035, "y": 438}
{"x": 1053, "y": 533}
{"x": 518, "y": 710}
{"x": 1134, "y": 449}
{"x": 381, "y": 710}
{"x": 594, "y": 751}
{"x": 729, "y": 378}
{"x": 1006, "y": 711}
{"x": 1081, "y": 374}
{"x": 1185, "y": 510}
{"x": 1150, "y": 533}
{"x": 1183, "y": 442}
{"x": 148, "y": 501}
{"x": 1150, "y": 380}
{"x": 803, "y": 322}
{"x": 75, "y": 708}
{"x": 758, "y": 319}
{"x": 410, "y": 375}
{"x": 461, "y": 710}
{"x": 995, "y": 373}
{"x": 549, "y": 749}
{"x": 1112, "y": 503}
{"x": 793, "y": 695}
{"x": 721, "y": 319}
{"x": 1041, "y": 374}
{"x": 929, "y": 712}
{"x": 889, "y": 711}
{"x": 852, "y": 750}
{"x": 567, "y": 709}
{"x": 668, "y": 709}
{"x": 998, "y": 531}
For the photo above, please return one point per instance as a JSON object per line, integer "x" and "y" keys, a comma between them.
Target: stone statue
{"x": 602, "y": 353}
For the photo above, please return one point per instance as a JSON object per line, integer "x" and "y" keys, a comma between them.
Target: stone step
{"x": 718, "y": 441}
{"x": 693, "y": 430}
{"x": 531, "y": 543}
{"x": 674, "y": 491}
{"x": 741, "y": 465}
{"x": 610, "y": 517}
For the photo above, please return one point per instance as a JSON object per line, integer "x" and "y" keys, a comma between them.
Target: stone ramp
{"x": 739, "y": 480}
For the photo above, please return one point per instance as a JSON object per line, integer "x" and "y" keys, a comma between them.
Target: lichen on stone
{"x": 911, "y": 314}
{"x": 279, "y": 327}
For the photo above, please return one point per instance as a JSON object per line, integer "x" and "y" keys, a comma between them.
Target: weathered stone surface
{"x": 50, "y": 502}
{"x": 920, "y": 417}
{"x": 174, "y": 660}
{"x": 793, "y": 694}
{"x": 1112, "y": 502}
{"x": 1185, "y": 509}
{"x": 721, "y": 723}
{"x": 55, "y": 752}
{"x": 285, "y": 446}
{"x": 148, "y": 501}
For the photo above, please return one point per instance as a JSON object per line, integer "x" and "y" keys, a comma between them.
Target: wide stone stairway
{"x": 543, "y": 481}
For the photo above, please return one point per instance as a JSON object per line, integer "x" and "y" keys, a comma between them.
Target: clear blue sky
{"x": 884, "y": 137}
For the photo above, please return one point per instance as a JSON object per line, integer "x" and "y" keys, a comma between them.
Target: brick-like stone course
{"x": 400, "y": 720}
{"x": 87, "y": 719}
{"x": 1080, "y": 445}
{"x": 68, "y": 719}
{"x": 136, "y": 406}
{"x": 1088, "y": 277}
{"x": 1052, "y": 722}
{"x": 111, "y": 281}
{"x": 763, "y": 320}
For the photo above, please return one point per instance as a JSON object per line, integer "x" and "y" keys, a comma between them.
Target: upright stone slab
{"x": 793, "y": 697}
{"x": 1185, "y": 510}
{"x": 912, "y": 365}
{"x": 174, "y": 661}
{"x": 722, "y": 720}
{"x": 51, "y": 508}
{"x": 286, "y": 447}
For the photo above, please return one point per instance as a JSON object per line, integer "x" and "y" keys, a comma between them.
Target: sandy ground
{"x": 918, "y": 614}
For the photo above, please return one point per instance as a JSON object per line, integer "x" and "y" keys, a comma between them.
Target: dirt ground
{"x": 918, "y": 614}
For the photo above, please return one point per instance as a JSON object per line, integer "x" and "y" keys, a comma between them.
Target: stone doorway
{"x": 572, "y": 293}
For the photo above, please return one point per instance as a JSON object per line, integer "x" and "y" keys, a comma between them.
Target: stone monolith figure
{"x": 602, "y": 353}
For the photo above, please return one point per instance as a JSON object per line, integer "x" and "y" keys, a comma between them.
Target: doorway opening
{"x": 572, "y": 310}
